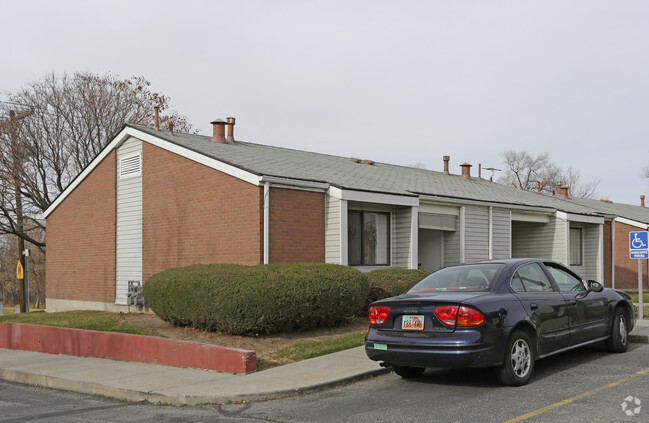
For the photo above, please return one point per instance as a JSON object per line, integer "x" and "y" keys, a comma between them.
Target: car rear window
{"x": 474, "y": 277}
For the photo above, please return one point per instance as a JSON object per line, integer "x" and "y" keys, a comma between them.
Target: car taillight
{"x": 377, "y": 315}
{"x": 459, "y": 316}
{"x": 467, "y": 316}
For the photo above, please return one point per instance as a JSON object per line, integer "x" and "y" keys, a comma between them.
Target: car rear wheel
{"x": 408, "y": 372}
{"x": 619, "y": 340}
{"x": 519, "y": 360}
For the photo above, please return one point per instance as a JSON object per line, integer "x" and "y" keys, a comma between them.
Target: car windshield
{"x": 474, "y": 277}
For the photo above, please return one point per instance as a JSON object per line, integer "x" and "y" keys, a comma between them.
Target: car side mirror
{"x": 595, "y": 286}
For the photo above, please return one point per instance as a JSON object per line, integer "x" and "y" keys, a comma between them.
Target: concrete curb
{"x": 138, "y": 382}
{"x": 158, "y": 384}
{"x": 263, "y": 395}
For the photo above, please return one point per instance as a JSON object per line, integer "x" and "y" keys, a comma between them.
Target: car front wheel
{"x": 519, "y": 360}
{"x": 619, "y": 340}
{"x": 408, "y": 372}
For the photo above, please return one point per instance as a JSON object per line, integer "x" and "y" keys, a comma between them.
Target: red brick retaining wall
{"x": 125, "y": 347}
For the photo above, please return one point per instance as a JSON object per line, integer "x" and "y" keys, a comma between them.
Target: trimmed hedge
{"x": 390, "y": 282}
{"x": 251, "y": 300}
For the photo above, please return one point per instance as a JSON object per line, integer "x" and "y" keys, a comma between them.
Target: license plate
{"x": 412, "y": 322}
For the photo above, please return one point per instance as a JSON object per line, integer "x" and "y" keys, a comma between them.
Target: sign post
{"x": 26, "y": 293}
{"x": 639, "y": 249}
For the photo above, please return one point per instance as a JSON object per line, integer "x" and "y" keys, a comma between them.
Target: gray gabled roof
{"x": 637, "y": 213}
{"x": 342, "y": 172}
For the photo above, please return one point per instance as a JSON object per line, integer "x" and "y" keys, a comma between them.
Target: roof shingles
{"x": 342, "y": 172}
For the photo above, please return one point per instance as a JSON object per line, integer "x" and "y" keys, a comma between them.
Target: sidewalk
{"x": 182, "y": 386}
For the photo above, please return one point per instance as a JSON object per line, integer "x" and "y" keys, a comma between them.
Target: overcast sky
{"x": 401, "y": 82}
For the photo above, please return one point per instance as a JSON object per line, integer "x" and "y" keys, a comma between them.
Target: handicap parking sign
{"x": 638, "y": 245}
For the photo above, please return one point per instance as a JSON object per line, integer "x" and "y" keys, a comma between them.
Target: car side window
{"x": 567, "y": 282}
{"x": 531, "y": 278}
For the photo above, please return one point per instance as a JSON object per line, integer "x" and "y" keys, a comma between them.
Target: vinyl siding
{"x": 592, "y": 253}
{"x": 476, "y": 244}
{"x": 129, "y": 224}
{"x": 452, "y": 246}
{"x": 540, "y": 240}
{"x": 502, "y": 237}
{"x": 333, "y": 234}
{"x": 401, "y": 237}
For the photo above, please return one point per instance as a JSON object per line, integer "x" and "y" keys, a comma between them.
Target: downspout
{"x": 491, "y": 233}
{"x": 511, "y": 229}
{"x": 600, "y": 273}
{"x": 266, "y": 220}
{"x": 414, "y": 238}
{"x": 462, "y": 230}
{"x": 613, "y": 253}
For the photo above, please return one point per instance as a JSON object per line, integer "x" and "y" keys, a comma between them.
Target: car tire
{"x": 619, "y": 339}
{"x": 518, "y": 366}
{"x": 408, "y": 372}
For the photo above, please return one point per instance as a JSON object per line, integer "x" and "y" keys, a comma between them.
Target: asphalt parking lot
{"x": 586, "y": 385}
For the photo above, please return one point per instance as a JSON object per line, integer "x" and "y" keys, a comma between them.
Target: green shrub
{"x": 386, "y": 283}
{"x": 249, "y": 300}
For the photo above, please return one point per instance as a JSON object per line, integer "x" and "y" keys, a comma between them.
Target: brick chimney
{"x": 466, "y": 171}
{"x": 446, "y": 160}
{"x": 642, "y": 200}
{"x": 230, "y": 122}
{"x": 218, "y": 130}
{"x": 562, "y": 190}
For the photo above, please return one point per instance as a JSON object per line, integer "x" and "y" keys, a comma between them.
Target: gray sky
{"x": 402, "y": 82}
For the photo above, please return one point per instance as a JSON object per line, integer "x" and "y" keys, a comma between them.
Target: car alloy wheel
{"x": 518, "y": 365}
{"x": 619, "y": 339}
{"x": 521, "y": 358}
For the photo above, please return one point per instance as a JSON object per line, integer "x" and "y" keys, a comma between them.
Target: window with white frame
{"x": 368, "y": 238}
{"x": 576, "y": 247}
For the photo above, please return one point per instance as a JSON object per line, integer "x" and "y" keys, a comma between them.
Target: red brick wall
{"x": 626, "y": 269}
{"x": 193, "y": 214}
{"x": 81, "y": 239}
{"x": 296, "y": 226}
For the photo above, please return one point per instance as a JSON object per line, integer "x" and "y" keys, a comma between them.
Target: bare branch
{"x": 74, "y": 116}
{"x": 532, "y": 173}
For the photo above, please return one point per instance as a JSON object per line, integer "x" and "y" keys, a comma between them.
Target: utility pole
{"x": 16, "y": 165}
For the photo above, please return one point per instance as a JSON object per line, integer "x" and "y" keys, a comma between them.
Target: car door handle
{"x": 534, "y": 306}
{"x": 573, "y": 303}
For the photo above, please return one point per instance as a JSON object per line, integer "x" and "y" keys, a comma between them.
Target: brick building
{"x": 153, "y": 200}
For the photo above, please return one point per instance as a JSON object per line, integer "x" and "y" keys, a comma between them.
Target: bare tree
{"x": 537, "y": 172}
{"x": 61, "y": 124}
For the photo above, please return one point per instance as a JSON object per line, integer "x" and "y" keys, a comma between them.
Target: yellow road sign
{"x": 19, "y": 271}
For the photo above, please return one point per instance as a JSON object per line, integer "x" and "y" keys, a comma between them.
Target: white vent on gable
{"x": 130, "y": 166}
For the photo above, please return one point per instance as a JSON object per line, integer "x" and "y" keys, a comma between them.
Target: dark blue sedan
{"x": 503, "y": 314}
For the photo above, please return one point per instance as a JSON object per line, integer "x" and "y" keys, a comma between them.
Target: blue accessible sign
{"x": 638, "y": 245}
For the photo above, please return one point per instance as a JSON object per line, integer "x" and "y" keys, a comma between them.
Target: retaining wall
{"x": 125, "y": 347}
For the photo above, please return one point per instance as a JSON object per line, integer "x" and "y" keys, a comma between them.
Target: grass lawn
{"x": 113, "y": 322}
{"x": 636, "y": 297}
{"x": 645, "y": 300}
{"x": 91, "y": 320}
{"x": 305, "y": 350}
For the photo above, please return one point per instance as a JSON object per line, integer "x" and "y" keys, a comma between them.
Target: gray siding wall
{"x": 540, "y": 240}
{"x": 502, "y": 234}
{"x": 452, "y": 246}
{"x": 476, "y": 238}
{"x": 129, "y": 223}
{"x": 333, "y": 234}
{"x": 591, "y": 252}
{"x": 401, "y": 237}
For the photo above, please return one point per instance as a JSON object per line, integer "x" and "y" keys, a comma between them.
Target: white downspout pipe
{"x": 266, "y": 220}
